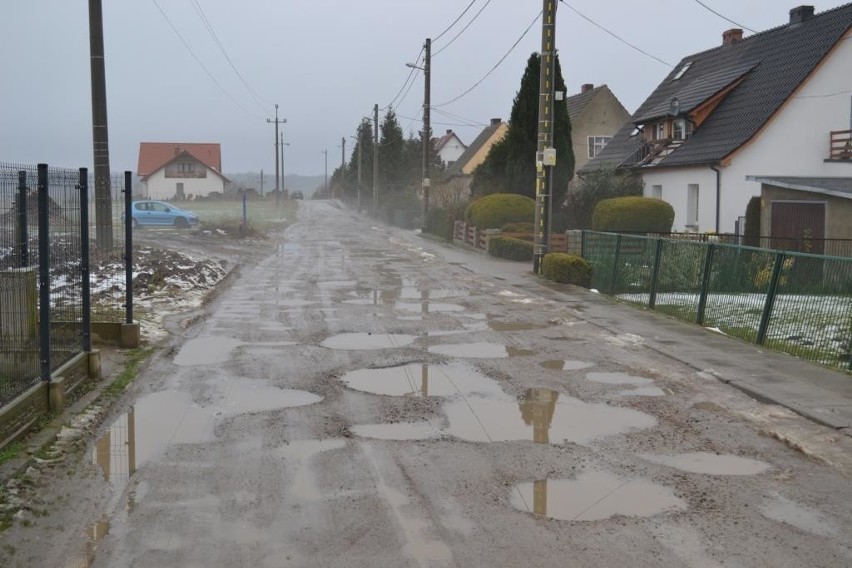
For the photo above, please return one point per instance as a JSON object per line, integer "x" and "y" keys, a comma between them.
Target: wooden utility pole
{"x": 545, "y": 157}
{"x": 283, "y": 183}
{"x": 277, "y": 122}
{"x": 375, "y": 160}
{"x": 427, "y": 128}
{"x": 342, "y": 163}
{"x": 325, "y": 175}
{"x": 100, "y": 133}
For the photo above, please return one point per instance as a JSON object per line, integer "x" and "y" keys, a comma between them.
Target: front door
{"x": 798, "y": 226}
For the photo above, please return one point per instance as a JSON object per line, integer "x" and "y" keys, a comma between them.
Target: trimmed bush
{"x": 567, "y": 268}
{"x": 751, "y": 234}
{"x": 496, "y": 210}
{"x": 510, "y": 248}
{"x": 633, "y": 215}
{"x": 518, "y": 228}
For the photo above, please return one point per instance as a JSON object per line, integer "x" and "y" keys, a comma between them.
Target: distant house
{"x": 459, "y": 174}
{"x": 448, "y": 147}
{"x": 775, "y": 104}
{"x": 170, "y": 170}
{"x": 596, "y": 115}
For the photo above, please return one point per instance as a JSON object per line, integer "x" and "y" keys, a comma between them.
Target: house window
{"x": 692, "y": 206}
{"x": 660, "y": 130}
{"x": 656, "y": 192}
{"x": 678, "y": 129}
{"x": 596, "y": 144}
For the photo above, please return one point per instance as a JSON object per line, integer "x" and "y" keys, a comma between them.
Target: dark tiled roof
{"x": 839, "y": 186}
{"x": 772, "y": 64}
{"x": 455, "y": 169}
{"x": 578, "y": 102}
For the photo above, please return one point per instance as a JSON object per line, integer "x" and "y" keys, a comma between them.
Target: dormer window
{"x": 678, "y": 129}
{"x": 683, "y": 70}
{"x": 660, "y": 131}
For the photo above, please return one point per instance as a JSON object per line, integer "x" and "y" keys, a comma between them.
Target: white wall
{"x": 451, "y": 151}
{"x": 159, "y": 186}
{"x": 794, "y": 143}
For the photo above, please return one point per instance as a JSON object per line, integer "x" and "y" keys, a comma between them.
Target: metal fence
{"x": 830, "y": 247}
{"x": 45, "y": 277}
{"x": 793, "y": 302}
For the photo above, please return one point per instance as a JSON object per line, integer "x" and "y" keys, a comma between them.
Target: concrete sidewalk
{"x": 817, "y": 393}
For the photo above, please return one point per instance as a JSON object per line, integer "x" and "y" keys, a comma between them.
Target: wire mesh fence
{"x": 792, "y": 302}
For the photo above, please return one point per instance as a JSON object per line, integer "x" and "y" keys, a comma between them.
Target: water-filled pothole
{"x": 421, "y": 379}
{"x": 353, "y": 341}
{"x": 565, "y": 365}
{"x": 479, "y": 350}
{"x": 783, "y": 510}
{"x": 514, "y": 326}
{"x": 206, "y": 351}
{"x": 712, "y": 464}
{"x": 594, "y": 496}
{"x": 543, "y": 416}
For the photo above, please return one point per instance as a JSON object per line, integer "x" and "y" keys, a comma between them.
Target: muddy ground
{"x": 355, "y": 395}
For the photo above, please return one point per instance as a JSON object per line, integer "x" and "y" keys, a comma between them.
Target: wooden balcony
{"x": 840, "y": 146}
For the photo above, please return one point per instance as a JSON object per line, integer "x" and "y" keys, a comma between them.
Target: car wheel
{"x": 181, "y": 223}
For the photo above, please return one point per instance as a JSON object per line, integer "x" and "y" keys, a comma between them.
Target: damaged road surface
{"x": 365, "y": 397}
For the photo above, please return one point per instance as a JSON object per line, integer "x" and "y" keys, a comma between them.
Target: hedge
{"x": 510, "y": 248}
{"x": 633, "y": 215}
{"x": 496, "y": 210}
{"x": 567, "y": 268}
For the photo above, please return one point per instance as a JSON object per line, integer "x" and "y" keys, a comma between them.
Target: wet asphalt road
{"x": 364, "y": 397}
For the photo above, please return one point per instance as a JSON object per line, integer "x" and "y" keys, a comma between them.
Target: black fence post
{"x": 128, "y": 247}
{"x": 614, "y": 279}
{"x": 770, "y": 299}
{"x": 44, "y": 271}
{"x": 84, "y": 259}
{"x": 23, "y": 237}
{"x": 583, "y": 244}
{"x": 655, "y": 274}
{"x": 705, "y": 283}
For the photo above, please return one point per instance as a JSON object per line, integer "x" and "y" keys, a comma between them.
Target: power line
{"x": 455, "y": 37}
{"x": 212, "y": 78}
{"x": 440, "y": 35}
{"x": 725, "y": 18}
{"x": 405, "y": 83}
{"x": 417, "y": 72}
{"x": 475, "y": 85}
{"x": 215, "y": 37}
{"x": 468, "y": 121}
{"x": 616, "y": 36}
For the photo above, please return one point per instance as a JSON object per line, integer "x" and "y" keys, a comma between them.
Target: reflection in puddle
{"x": 368, "y": 340}
{"x": 595, "y": 496}
{"x": 206, "y": 351}
{"x": 618, "y": 379}
{"x": 397, "y": 431}
{"x": 565, "y": 365}
{"x": 94, "y": 534}
{"x": 421, "y": 380}
{"x": 544, "y": 417}
{"x": 712, "y": 464}
{"x": 803, "y": 518}
{"x": 479, "y": 350}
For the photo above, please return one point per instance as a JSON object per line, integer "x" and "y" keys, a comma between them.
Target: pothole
{"x": 206, "y": 351}
{"x": 783, "y": 510}
{"x": 420, "y": 379}
{"x": 353, "y": 341}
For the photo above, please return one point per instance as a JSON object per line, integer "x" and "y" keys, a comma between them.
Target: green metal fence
{"x": 793, "y": 302}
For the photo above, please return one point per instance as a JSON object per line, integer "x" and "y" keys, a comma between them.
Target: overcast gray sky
{"x": 325, "y": 62}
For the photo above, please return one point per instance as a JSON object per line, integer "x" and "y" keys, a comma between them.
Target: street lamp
{"x": 427, "y": 129}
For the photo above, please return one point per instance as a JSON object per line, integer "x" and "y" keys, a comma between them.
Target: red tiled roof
{"x": 155, "y": 155}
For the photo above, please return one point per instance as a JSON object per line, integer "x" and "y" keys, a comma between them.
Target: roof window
{"x": 683, "y": 70}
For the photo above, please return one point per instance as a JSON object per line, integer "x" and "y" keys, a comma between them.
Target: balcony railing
{"x": 840, "y": 147}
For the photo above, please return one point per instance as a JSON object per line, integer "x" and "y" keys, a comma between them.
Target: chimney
{"x": 586, "y": 87}
{"x": 495, "y": 121}
{"x": 449, "y": 131}
{"x": 732, "y": 36}
{"x": 801, "y": 13}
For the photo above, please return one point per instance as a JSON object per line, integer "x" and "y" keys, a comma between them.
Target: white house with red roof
{"x": 449, "y": 147}
{"x": 178, "y": 171}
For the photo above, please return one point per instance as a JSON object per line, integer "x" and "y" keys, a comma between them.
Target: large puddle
{"x": 354, "y": 341}
{"x": 595, "y": 496}
{"x": 429, "y": 307}
{"x": 206, "y": 351}
{"x": 479, "y": 350}
{"x": 783, "y": 510}
{"x": 708, "y": 463}
{"x": 565, "y": 365}
{"x": 541, "y": 415}
{"x": 420, "y": 379}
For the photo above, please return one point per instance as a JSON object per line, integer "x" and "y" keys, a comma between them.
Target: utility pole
{"x": 375, "y": 160}
{"x": 427, "y": 129}
{"x": 283, "y": 183}
{"x": 325, "y": 183}
{"x": 100, "y": 133}
{"x": 360, "y": 154}
{"x": 545, "y": 157}
{"x": 342, "y": 161}
{"x": 277, "y": 122}
{"x": 261, "y": 182}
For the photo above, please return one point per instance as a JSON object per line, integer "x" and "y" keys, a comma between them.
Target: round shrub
{"x": 495, "y": 210}
{"x": 510, "y": 248}
{"x": 567, "y": 268}
{"x": 518, "y": 228}
{"x": 633, "y": 215}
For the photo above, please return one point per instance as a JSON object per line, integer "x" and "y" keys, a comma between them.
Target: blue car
{"x": 150, "y": 213}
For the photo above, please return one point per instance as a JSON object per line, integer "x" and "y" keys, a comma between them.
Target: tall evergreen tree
{"x": 391, "y": 148}
{"x": 510, "y": 164}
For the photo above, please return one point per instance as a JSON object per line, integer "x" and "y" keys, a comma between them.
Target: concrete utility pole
{"x": 375, "y": 160}
{"x": 360, "y": 155}
{"x": 100, "y": 133}
{"x": 277, "y": 122}
{"x": 283, "y": 183}
{"x": 545, "y": 157}
{"x": 342, "y": 161}
{"x": 427, "y": 129}
{"x": 325, "y": 178}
